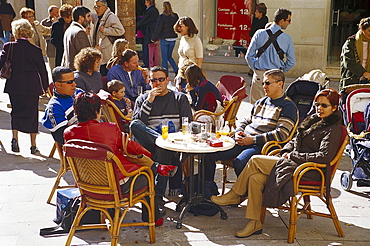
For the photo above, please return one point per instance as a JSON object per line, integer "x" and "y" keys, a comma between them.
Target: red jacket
{"x": 109, "y": 134}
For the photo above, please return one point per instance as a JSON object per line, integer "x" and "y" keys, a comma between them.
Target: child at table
{"x": 117, "y": 89}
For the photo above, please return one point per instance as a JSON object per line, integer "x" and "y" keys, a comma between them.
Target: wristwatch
{"x": 254, "y": 140}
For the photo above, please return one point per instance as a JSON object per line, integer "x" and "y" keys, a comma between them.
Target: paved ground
{"x": 26, "y": 180}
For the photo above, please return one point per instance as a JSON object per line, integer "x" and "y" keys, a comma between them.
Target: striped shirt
{"x": 271, "y": 119}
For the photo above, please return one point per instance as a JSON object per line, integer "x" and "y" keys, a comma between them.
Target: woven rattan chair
{"x": 233, "y": 91}
{"x": 94, "y": 166}
{"x": 64, "y": 168}
{"x": 304, "y": 189}
{"x": 111, "y": 113}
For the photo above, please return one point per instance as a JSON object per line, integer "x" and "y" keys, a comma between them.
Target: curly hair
{"x": 85, "y": 59}
{"x": 22, "y": 29}
{"x": 86, "y": 106}
{"x": 24, "y": 11}
{"x": 66, "y": 10}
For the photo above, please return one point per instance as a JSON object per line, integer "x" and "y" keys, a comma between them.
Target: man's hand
{"x": 153, "y": 93}
{"x": 286, "y": 155}
{"x": 243, "y": 139}
{"x": 145, "y": 73}
{"x": 366, "y": 75}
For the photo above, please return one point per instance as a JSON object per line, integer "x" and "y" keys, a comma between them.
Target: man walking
{"x": 106, "y": 24}
{"x": 270, "y": 49}
{"x": 75, "y": 37}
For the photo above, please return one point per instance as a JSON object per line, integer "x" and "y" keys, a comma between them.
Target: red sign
{"x": 234, "y": 20}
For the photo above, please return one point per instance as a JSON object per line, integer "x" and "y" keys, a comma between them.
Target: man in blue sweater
{"x": 59, "y": 112}
{"x": 272, "y": 118}
{"x": 150, "y": 110}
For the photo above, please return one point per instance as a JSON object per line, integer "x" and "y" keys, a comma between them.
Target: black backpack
{"x": 210, "y": 189}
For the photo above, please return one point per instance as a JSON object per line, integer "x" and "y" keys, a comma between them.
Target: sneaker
{"x": 15, "y": 146}
{"x": 34, "y": 149}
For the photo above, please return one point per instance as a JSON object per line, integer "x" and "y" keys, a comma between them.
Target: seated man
{"x": 59, "y": 111}
{"x": 272, "y": 118}
{"x": 150, "y": 110}
{"x": 127, "y": 71}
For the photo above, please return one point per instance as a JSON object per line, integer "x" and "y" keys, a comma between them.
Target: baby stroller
{"x": 356, "y": 112}
{"x": 302, "y": 93}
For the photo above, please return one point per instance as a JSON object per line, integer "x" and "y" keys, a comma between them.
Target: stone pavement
{"x": 26, "y": 180}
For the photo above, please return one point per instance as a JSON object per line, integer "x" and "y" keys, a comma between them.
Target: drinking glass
{"x": 185, "y": 125}
{"x": 224, "y": 131}
{"x": 165, "y": 129}
{"x": 218, "y": 128}
{"x": 208, "y": 128}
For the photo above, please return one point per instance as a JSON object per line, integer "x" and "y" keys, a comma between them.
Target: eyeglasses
{"x": 98, "y": 7}
{"x": 161, "y": 79}
{"x": 269, "y": 82}
{"x": 66, "y": 82}
{"x": 324, "y": 105}
{"x": 289, "y": 21}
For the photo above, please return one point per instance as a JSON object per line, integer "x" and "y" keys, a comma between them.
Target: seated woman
{"x": 204, "y": 94}
{"x": 87, "y": 108}
{"x": 180, "y": 79}
{"x": 312, "y": 143}
{"x": 119, "y": 46}
{"x": 87, "y": 76}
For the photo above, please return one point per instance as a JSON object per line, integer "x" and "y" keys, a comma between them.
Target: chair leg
{"x": 307, "y": 204}
{"x": 334, "y": 217}
{"x": 56, "y": 184}
{"x": 292, "y": 220}
{"x": 53, "y": 150}
{"x": 224, "y": 178}
{"x": 114, "y": 230}
{"x": 263, "y": 215}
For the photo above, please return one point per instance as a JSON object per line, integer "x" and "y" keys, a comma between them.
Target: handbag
{"x": 141, "y": 159}
{"x": 112, "y": 39}
{"x": 6, "y": 70}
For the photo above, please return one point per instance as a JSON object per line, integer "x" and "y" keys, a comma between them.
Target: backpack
{"x": 210, "y": 189}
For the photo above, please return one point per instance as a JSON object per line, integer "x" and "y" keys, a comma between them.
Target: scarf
{"x": 360, "y": 38}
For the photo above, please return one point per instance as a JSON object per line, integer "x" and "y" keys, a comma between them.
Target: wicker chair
{"x": 304, "y": 189}
{"x": 64, "y": 168}
{"x": 233, "y": 91}
{"x": 94, "y": 166}
{"x": 111, "y": 113}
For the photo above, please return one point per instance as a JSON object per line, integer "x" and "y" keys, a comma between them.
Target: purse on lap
{"x": 141, "y": 159}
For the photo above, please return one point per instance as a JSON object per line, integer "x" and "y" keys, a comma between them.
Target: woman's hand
{"x": 366, "y": 75}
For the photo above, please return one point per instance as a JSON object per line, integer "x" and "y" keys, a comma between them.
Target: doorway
{"x": 345, "y": 16}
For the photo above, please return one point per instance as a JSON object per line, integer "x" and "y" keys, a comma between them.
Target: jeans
{"x": 6, "y": 37}
{"x": 146, "y": 137}
{"x": 166, "y": 50}
{"x": 242, "y": 154}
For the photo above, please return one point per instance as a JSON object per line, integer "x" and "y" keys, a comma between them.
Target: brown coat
{"x": 316, "y": 141}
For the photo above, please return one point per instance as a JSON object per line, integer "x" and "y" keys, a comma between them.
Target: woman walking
{"x": 28, "y": 81}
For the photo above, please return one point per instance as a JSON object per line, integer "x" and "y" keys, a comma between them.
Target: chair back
{"x": 302, "y": 93}
{"x": 92, "y": 167}
{"x": 111, "y": 113}
{"x": 233, "y": 91}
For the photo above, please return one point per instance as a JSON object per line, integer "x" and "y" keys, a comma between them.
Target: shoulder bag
{"x": 141, "y": 159}
{"x": 6, "y": 70}
{"x": 112, "y": 39}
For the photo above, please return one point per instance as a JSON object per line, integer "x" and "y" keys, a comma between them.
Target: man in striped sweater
{"x": 272, "y": 118}
{"x": 150, "y": 110}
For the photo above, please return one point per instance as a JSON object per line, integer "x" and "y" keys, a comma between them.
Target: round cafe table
{"x": 183, "y": 143}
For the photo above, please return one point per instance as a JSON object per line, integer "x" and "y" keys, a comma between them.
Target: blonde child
{"x": 119, "y": 46}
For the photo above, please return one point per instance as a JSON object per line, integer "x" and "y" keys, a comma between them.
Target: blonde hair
{"x": 119, "y": 46}
{"x": 22, "y": 29}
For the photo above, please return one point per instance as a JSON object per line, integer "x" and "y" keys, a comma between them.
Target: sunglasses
{"x": 324, "y": 105}
{"x": 269, "y": 82}
{"x": 67, "y": 82}
{"x": 161, "y": 79}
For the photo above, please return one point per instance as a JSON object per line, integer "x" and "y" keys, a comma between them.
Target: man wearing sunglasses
{"x": 272, "y": 118}
{"x": 150, "y": 110}
{"x": 270, "y": 49}
{"x": 59, "y": 112}
{"x": 128, "y": 72}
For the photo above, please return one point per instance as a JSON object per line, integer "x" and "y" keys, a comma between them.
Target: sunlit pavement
{"x": 26, "y": 181}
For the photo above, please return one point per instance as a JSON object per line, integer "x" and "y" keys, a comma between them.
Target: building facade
{"x": 318, "y": 28}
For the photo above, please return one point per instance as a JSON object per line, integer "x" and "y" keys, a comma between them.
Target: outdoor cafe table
{"x": 182, "y": 143}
